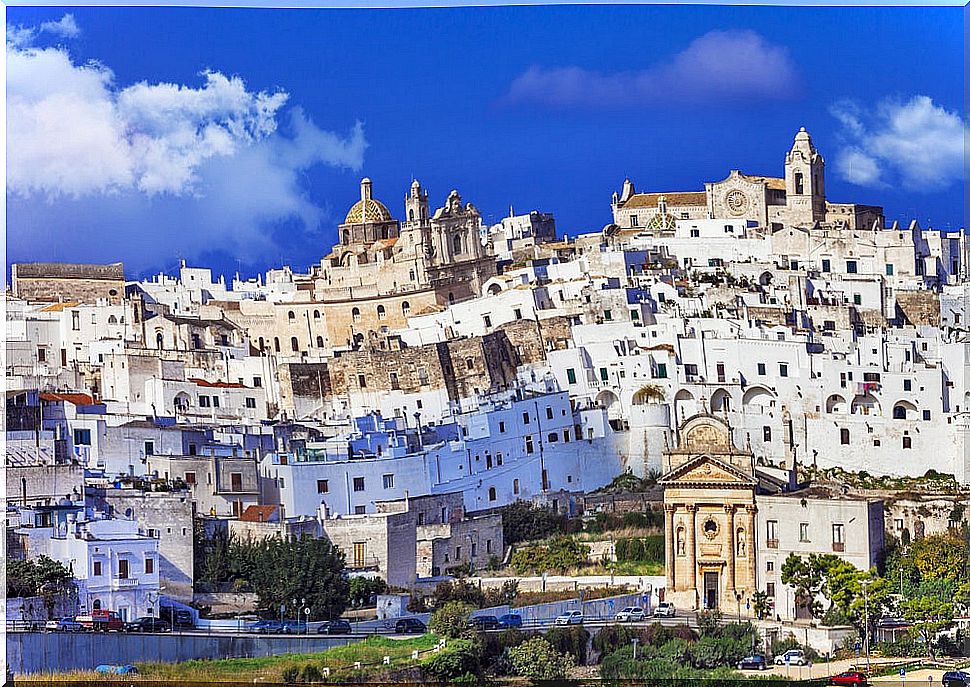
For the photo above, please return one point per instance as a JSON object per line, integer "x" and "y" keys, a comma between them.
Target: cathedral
{"x": 795, "y": 200}
{"x": 383, "y": 270}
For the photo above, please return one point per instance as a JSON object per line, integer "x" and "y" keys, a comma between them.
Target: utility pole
{"x": 865, "y": 601}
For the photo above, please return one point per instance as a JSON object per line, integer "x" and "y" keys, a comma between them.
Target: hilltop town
{"x": 765, "y": 371}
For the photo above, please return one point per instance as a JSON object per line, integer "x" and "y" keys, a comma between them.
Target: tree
{"x": 940, "y": 556}
{"x": 461, "y": 660}
{"x": 759, "y": 602}
{"x": 561, "y": 553}
{"x": 364, "y": 589}
{"x": 523, "y": 521}
{"x": 537, "y": 660}
{"x": 451, "y": 621}
{"x": 928, "y": 615}
{"x": 805, "y": 577}
{"x": 41, "y": 576}
{"x": 310, "y": 569}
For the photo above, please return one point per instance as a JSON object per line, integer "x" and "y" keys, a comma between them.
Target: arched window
{"x": 276, "y": 343}
{"x": 899, "y": 412}
{"x": 346, "y": 236}
{"x": 411, "y": 214}
{"x": 316, "y": 314}
{"x": 469, "y": 364}
{"x": 456, "y": 244}
{"x": 96, "y": 606}
{"x": 319, "y": 342}
{"x": 262, "y": 345}
{"x": 381, "y": 313}
{"x": 491, "y": 494}
{"x": 158, "y": 340}
{"x": 112, "y": 319}
{"x": 291, "y": 315}
{"x": 405, "y": 308}
{"x": 355, "y": 314}
{"x": 294, "y": 344}
{"x": 799, "y": 183}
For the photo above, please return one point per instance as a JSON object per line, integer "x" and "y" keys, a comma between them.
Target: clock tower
{"x": 804, "y": 182}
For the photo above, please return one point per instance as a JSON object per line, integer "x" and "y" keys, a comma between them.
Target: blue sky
{"x": 236, "y": 138}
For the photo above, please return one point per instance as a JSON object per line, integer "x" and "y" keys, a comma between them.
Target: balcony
{"x": 124, "y": 583}
{"x": 838, "y": 546}
{"x": 772, "y": 543}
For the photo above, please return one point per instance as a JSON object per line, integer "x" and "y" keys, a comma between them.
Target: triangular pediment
{"x": 707, "y": 471}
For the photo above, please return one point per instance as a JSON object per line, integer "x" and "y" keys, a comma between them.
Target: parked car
{"x": 850, "y": 678}
{"x": 293, "y": 627}
{"x": 335, "y": 627}
{"x": 664, "y": 609}
{"x": 794, "y": 657}
{"x": 127, "y": 669}
{"x": 410, "y": 626}
{"x": 630, "y": 614}
{"x": 178, "y": 617}
{"x": 509, "y": 620}
{"x": 267, "y": 627}
{"x": 570, "y": 618}
{"x": 148, "y": 624}
{"x": 753, "y": 663}
{"x": 483, "y": 622}
{"x": 956, "y": 678}
{"x": 63, "y": 625}
{"x": 102, "y": 620}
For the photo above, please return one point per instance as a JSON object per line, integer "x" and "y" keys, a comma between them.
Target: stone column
{"x": 729, "y": 583}
{"x": 690, "y": 579}
{"x": 751, "y": 543}
{"x": 670, "y": 547}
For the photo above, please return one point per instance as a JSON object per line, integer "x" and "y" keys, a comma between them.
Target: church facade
{"x": 797, "y": 199}
{"x": 709, "y": 518}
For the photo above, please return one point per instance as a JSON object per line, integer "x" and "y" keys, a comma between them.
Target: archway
{"x": 835, "y": 404}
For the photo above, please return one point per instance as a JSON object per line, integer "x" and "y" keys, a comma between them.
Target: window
{"x": 661, "y": 371}
{"x": 405, "y": 308}
{"x": 553, "y": 437}
{"x": 362, "y": 381}
{"x": 772, "y": 532}
{"x": 783, "y": 369}
{"x": 926, "y": 415}
{"x": 604, "y": 374}
{"x": 770, "y": 566}
{"x": 250, "y": 402}
{"x": 388, "y": 481}
{"x": 257, "y": 382}
{"x": 355, "y": 314}
{"x": 851, "y": 266}
{"x": 762, "y": 369}
{"x": 634, "y": 221}
{"x": 97, "y": 569}
{"x": 204, "y": 401}
{"x": 469, "y": 364}
{"x": 570, "y": 375}
{"x": 528, "y": 444}
{"x": 548, "y": 412}
{"x": 323, "y": 486}
{"x": 215, "y": 401}
{"x": 803, "y": 532}
{"x": 899, "y": 523}
{"x": 189, "y": 478}
{"x": 501, "y": 427}
{"x": 82, "y": 437}
{"x": 360, "y": 549}
{"x": 360, "y": 510}
{"x": 838, "y": 537}
{"x": 525, "y": 418}
{"x": 907, "y": 441}
{"x": 235, "y": 481}
{"x": 75, "y": 320}
{"x": 515, "y": 486}
{"x": 770, "y": 589}
{"x": 492, "y": 496}
{"x": 123, "y": 568}
{"x": 358, "y": 484}
{"x": 857, "y": 298}
{"x": 395, "y": 384}
{"x": 294, "y": 344}
{"x": 381, "y": 313}
{"x": 608, "y": 315}
{"x": 766, "y": 433}
{"x": 487, "y": 320}
{"x": 149, "y": 565}
{"x": 844, "y": 436}
{"x": 889, "y": 269}
{"x": 907, "y": 385}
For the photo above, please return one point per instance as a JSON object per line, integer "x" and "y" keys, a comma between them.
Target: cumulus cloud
{"x": 151, "y": 167}
{"x": 720, "y": 66}
{"x": 915, "y": 144}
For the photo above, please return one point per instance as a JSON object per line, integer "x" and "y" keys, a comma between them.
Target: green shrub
{"x": 291, "y": 675}
{"x": 570, "y": 640}
{"x": 536, "y": 659}
{"x": 612, "y": 637}
{"x": 311, "y": 674}
{"x": 451, "y": 621}
{"x": 560, "y": 553}
{"x": 460, "y": 657}
{"x": 782, "y": 645}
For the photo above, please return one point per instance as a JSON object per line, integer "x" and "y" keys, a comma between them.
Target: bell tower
{"x": 416, "y": 205}
{"x": 804, "y": 181}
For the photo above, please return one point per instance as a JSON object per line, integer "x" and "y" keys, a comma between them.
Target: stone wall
{"x": 51, "y": 281}
{"x": 918, "y": 307}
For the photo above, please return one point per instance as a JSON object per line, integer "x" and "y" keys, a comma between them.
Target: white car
{"x": 630, "y": 614}
{"x": 794, "y": 657}
{"x": 664, "y": 609}
{"x": 570, "y": 618}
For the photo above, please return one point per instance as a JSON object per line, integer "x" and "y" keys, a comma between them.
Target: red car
{"x": 850, "y": 678}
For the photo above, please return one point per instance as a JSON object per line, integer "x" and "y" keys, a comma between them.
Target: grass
{"x": 369, "y": 652}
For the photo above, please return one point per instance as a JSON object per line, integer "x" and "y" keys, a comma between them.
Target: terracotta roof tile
{"x": 258, "y": 513}
{"x": 680, "y": 199}
{"x": 76, "y": 399}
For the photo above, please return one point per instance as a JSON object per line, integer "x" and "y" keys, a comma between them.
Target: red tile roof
{"x": 258, "y": 513}
{"x": 76, "y": 399}
{"x": 217, "y": 385}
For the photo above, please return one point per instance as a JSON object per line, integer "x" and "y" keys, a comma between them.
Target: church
{"x": 730, "y": 523}
{"x": 795, "y": 200}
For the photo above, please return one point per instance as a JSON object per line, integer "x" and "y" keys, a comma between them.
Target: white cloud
{"x": 188, "y": 167}
{"x": 915, "y": 144}
{"x": 720, "y": 66}
{"x": 22, "y": 36}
